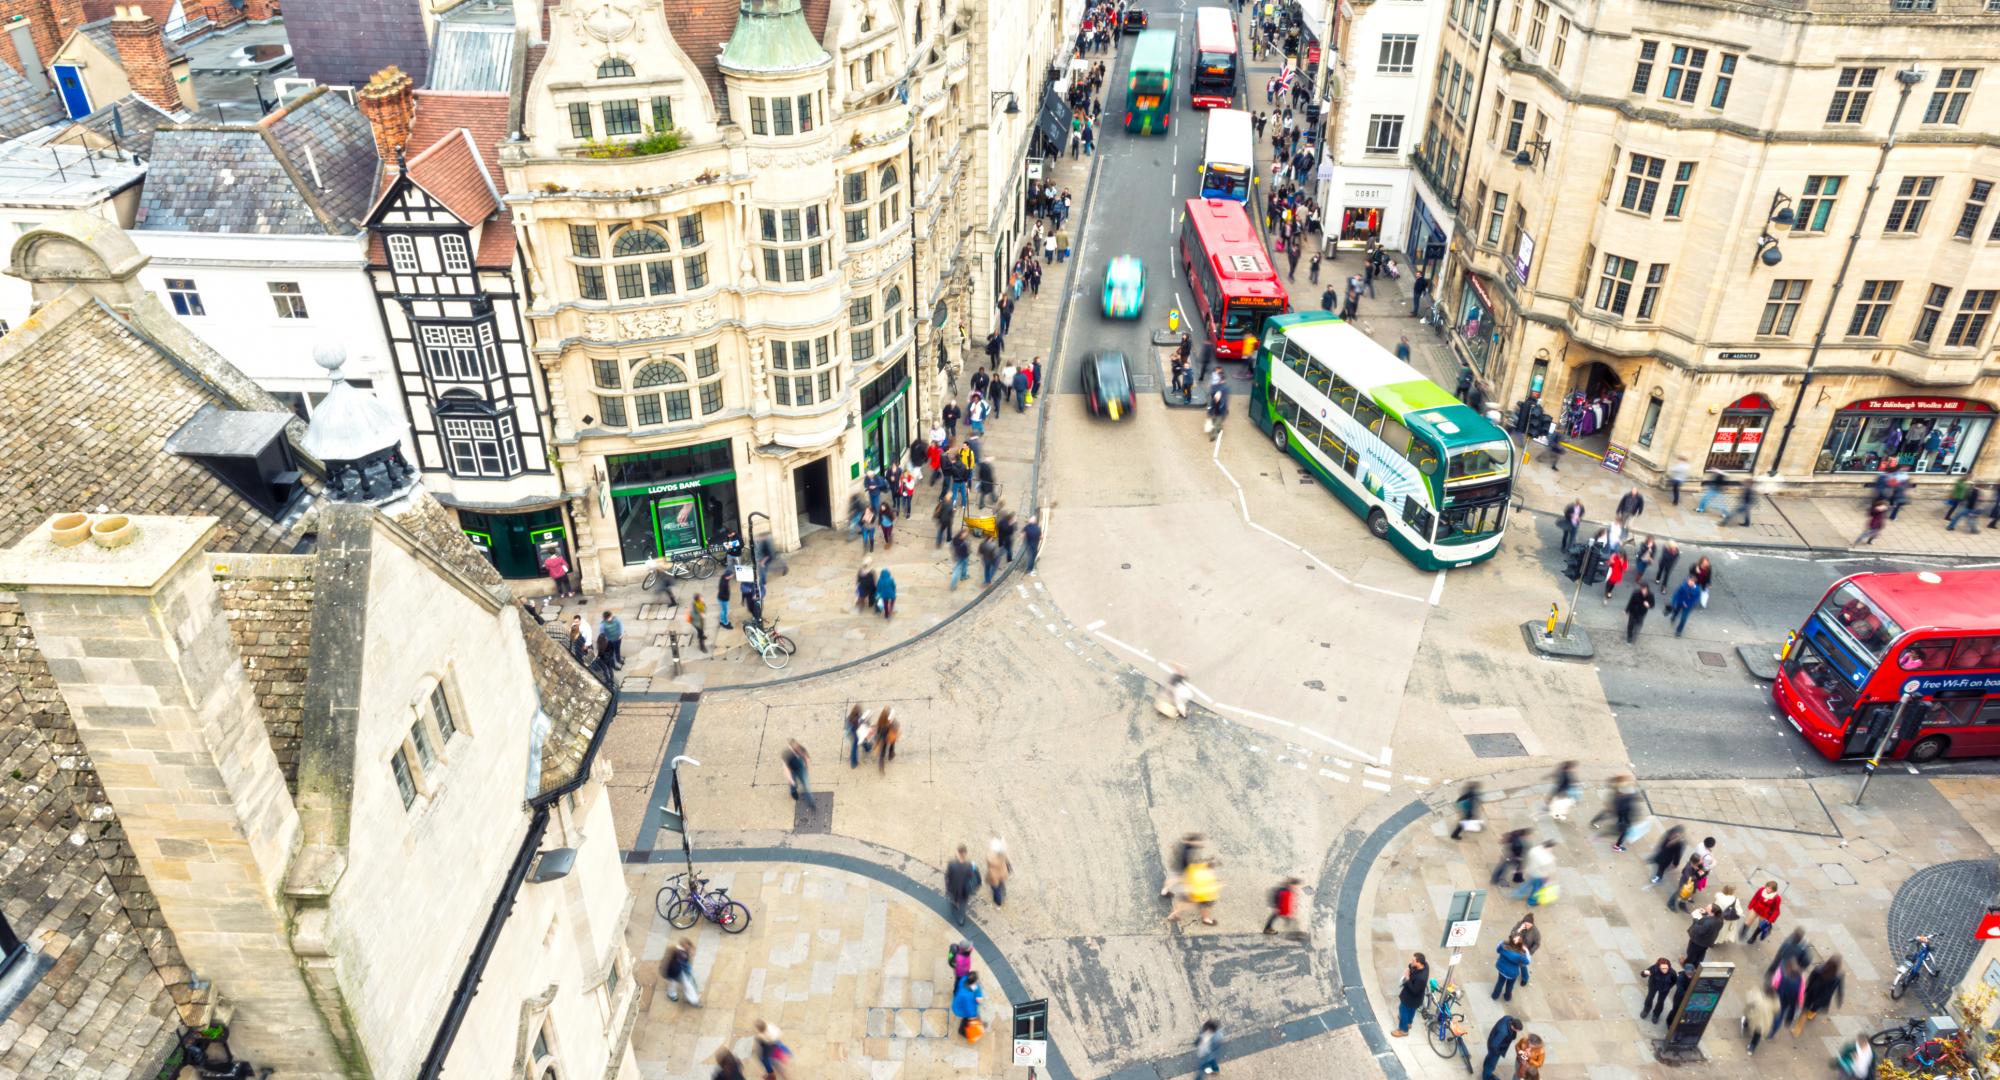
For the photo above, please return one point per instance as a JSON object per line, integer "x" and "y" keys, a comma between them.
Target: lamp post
{"x": 1780, "y": 215}
{"x": 756, "y": 555}
{"x": 680, "y": 812}
{"x": 1908, "y": 78}
{"x": 1532, "y": 151}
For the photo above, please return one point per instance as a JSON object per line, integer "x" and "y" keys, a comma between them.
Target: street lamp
{"x": 756, "y": 557}
{"x": 676, "y": 818}
{"x": 1780, "y": 214}
{"x": 1535, "y": 149}
{"x": 1013, "y": 101}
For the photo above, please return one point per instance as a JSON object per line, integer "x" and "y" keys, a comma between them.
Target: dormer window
{"x": 774, "y": 116}
{"x": 614, "y": 68}
{"x": 457, "y": 257}
{"x": 402, "y": 253}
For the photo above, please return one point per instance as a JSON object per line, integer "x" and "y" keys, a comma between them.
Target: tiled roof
{"x": 269, "y": 604}
{"x": 160, "y": 11}
{"x": 22, "y": 107}
{"x": 452, "y": 172}
{"x": 702, "y": 27}
{"x": 534, "y": 61}
{"x": 343, "y": 42}
{"x": 131, "y": 121}
{"x": 484, "y": 116}
{"x": 70, "y": 443}
{"x": 306, "y": 169}
{"x": 100, "y": 33}
{"x": 440, "y": 165}
{"x": 496, "y": 243}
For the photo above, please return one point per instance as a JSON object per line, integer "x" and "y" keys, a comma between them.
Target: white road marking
{"x": 1373, "y": 771}
{"x": 1174, "y": 184}
{"x": 1133, "y": 649}
{"x": 1243, "y": 502}
{"x": 1385, "y": 757}
{"x": 1421, "y": 781}
{"x": 1343, "y": 764}
{"x": 1254, "y": 715}
{"x": 1254, "y": 748}
{"x": 1334, "y": 775}
{"x": 1035, "y": 611}
{"x": 1093, "y": 626}
{"x": 1437, "y": 589}
{"x": 1375, "y": 786}
{"x": 1052, "y": 628}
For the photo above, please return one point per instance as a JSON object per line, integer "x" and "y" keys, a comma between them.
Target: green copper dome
{"x": 771, "y": 36}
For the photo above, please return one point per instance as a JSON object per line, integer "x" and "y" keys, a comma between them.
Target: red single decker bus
{"x": 1877, "y": 637}
{"x": 1235, "y": 286}
{"x": 1214, "y": 59}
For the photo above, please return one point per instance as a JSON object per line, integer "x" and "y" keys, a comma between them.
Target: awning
{"x": 1485, "y": 298}
{"x": 1053, "y": 123}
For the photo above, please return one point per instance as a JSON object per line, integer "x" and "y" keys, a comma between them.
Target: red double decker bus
{"x": 1934, "y": 636}
{"x": 1214, "y": 59}
{"x": 1235, "y": 285}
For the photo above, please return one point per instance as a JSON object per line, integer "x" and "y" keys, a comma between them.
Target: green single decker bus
{"x": 1430, "y": 475}
{"x": 1149, "y": 85}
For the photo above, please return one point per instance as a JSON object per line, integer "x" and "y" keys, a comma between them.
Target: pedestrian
{"x": 1683, "y": 982}
{"x": 961, "y": 553}
{"x": 1541, "y": 866}
{"x": 1004, "y": 528}
{"x": 1760, "y": 1015}
{"x": 1824, "y": 988}
{"x": 1511, "y": 962}
{"x": 1530, "y": 937}
{"x": 1649, "y": 549}
{"x": 961, "y": 880}
{"x": 1659, "y": 983}
{"x": 989, "y": 560}
{"x": 677, "y": 969}
{"x": 1668, "y": 855}
{"x": 1499, "y": 1040}
{"x": 1023, "y": 387}
{"x": 1312, "y": 269}
{"x": 1694, "y": 875}
{"x": 772, "y": 1053}
{"x": 1993, "y": 516}
{"x": 612, "y": 633}
{"x": 1793, "y": 948}
{"x": 698, "y": 621}
{"x": 1789, "y": 980}
{"x": 1199, "y": 890}
{"x": 1402, "y": 344}
{"x": 864, "y": 586}
{"x": 1208, "y": 1048}
{"x": 1572, "y": 520}
{"x": 1049, "y": 248}
{"x": 1682, "y": 604}
{"x": 1031, "y": 540}
{"x": 579, "y": 637}
{"x": 1410, "y": 995}
{"x": 1637, "y": 606}
{"x": 998, "y": 866}
{"x": 1749, "y": 500}
{"x": 885, "y": 593}
{"x": 1878, "y": 516}
{"x": 1185, "y": 853}
{"x": 1419, "y": 285}
{"x": 1970, "y": 506}
{"x": 1062, "y": 244}
{"x": 854, "y": 731}
{"x": 1677, "y": 475}
{"x": 1765, "y": 904}
{"x": 1614, "y": 570}
{"x": 1630, "y": 506}
{"x": 797, "y": 762}
{"x": 1513, "y": 850}
{"x": 1702, "y": 932}
{"x": 1326, "y": 299}
{"x": 1284, "y": 905}
{"x": 965, "y": 1003}
{"x": 1468, "y": 810}
{"x": 950, "y": 413}
{"x": 1727, "y": 905}
{"x": 726, "y": 1066}
{"x": 1563, "y": 790}
{"x": 1670, "y": 553}
{"x": 1529, "y": 1058}
{"x": 888, "y": 731}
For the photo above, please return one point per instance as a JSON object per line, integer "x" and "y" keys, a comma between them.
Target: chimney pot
{"x": 143, "y": 54}
{"x": 390, "y": 104}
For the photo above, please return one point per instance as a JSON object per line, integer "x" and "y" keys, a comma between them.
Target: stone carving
{"x": 608, "y": 22}
{"x": 864, "y": 264}
{"x": 650, "y": 323}
{"x": 811, "y": 155}
{"x": 704, "y": 315}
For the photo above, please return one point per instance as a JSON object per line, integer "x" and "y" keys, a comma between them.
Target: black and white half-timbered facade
{"x": 442, "y": 257}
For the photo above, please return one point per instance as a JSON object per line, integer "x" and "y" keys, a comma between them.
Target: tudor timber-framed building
{"x": 1620, "y": 164}
{"x": 739, "y": 320}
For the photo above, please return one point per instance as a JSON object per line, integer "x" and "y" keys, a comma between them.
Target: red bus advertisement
{"x": 1876, "y": 637}
{"x": 1235, "y": 285}
{"x": 1214, "y": 59}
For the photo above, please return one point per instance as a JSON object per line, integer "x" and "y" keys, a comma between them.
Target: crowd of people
{"x": 1647, "y": 555}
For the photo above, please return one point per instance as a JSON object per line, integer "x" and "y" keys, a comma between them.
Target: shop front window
{"x": 1926, "y": 435}
{"x": 1739, "y": 434}
{"x": 1474, "y": 325}
{"x": 672, "y": 500}
{"x": 1361, "y": 223}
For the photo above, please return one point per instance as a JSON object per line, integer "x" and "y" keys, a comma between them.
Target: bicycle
{"x": 1918, "y": 962}
{"x": 699, "y": 564}
{"x": 731, "y": 915}
{"x": 775, "y": 648}
{"x": 1916, "y": 1046}
{"x": 670, "y": 893}
{"x": 1444, "y": 1028}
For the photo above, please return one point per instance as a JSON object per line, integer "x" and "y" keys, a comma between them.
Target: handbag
{"x": 1687, "y": 888}
{"x": 1547, "y": 894}
{"x": 1472, "y": 824}
{"x": 1208, "y": 426}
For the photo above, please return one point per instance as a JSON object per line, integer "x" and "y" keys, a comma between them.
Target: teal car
{"x": 1124, "y": 288}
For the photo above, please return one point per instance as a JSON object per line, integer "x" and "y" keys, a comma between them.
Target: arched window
{"x": 659, "y": 373}
{"x": 402, "y": 253}
{"x": 888, "y": 179}
{"x": 649, "y": 406}
{"x": 892, "y": 315}
{"x": 638, "y": 242}
{"x": 614, "y": 68}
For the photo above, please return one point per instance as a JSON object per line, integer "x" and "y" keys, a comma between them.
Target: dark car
{"x": 1135, "y": 21}
{"x": 1107, "y": 385}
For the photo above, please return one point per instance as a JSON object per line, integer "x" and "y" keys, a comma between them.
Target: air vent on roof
{"x": 245, "y": 450}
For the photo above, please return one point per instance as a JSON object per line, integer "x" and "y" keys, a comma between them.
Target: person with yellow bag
{"x": 1199, "y": 889}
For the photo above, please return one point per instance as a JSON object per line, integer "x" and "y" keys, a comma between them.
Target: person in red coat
{"x": 1764, "y": 906}
{"x": 1614, "y": 573}
{"x": 1284, "y": 905}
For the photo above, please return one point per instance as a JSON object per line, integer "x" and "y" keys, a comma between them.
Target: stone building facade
{"x": 1757, "y": 238}
{"x": 743, "y": 231}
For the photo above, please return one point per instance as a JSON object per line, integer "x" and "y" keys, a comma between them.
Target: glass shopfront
{"x": 672, "y": 500}
{"x": 1739, "y": 435}
{"x": 1360, "y": 224}
{"x": 512, "y": 542}
{"x": 1926, "y": 434}
{"x": 1473, "y": 329}
{"x": 1427, "y": 240}
{"x": 885, "y": 416}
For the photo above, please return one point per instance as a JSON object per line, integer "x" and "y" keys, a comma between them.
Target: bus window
{"x": 1320, "y": 378}
{"x": 1423, "y": 456}
{"x": 1342, "y": 394}
{"x": 1486, "y": 460}
{"x": 1288, "y": 411}
{"x": 1308, "y": 428}
{"x": 1989, "y": 712}
{"x": 1977, "y": 652}
{"x": 1395, "y": 435}
{"x": 1274, "y": 340}
{"x": 1926, "y": 655}
{"x": 1331, "y": 443}
{"x": 1849, "y": 610}
{"x": 1366, "y": 412}
{"x": 1417, "y": 516}
{"x": 1955, "y": 708}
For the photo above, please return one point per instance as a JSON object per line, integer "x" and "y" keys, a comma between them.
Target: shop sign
{"x": 1367, "y": 196}
{"x": 1312, "y": 54}
{"x": 1920, "y": 405}
{"x": 1750, "y": 439}
{"x": 672, "y": 486}
{"x": 1524, "y": 257}
{"x": 1725, "y": 441}
{"x": 1614, "y": 458}
{"x": 1479, "y": 287}
{"x": 1737, "y": 356}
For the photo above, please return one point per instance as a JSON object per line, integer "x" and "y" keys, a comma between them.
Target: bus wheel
{"x": 1378, "y": 524}
{"x": 1929, "y": 749}
{"x": 1278, "y": 436}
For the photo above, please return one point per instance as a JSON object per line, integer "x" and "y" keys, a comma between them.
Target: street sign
{"x": 1462, "y": 918}
{"x": 1031, "y": 1033}
{"x": 1989, "y": 925}
{"x": 1703, "y": 994}
{"x": 671, "y": 821}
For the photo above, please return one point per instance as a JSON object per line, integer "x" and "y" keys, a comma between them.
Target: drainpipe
{"x": 1909, "y": 77}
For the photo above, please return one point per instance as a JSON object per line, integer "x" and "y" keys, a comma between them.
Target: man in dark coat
{"x": 1706, "y": 928}
{"x": 961, "y": 880}
{"x": 1498, "y": 1042}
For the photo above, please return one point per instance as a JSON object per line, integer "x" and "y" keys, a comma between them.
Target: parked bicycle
{"x": 699, "y": 564}
{"x": 1916, "y": 1045}
{"x": 1444, "y": 1025}
{"x": 731, "y": 915}
{"x": 671, "y": 893}
{"x": 1919, "y": 962}
{"x": 763, "y": 636}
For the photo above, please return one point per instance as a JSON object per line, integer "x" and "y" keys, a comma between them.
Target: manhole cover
{"x": 1712, "y": 659}
{"x": 1315, "y": 684}
{"x": 1496, "y": 744}
{"x": 816, "y": 818}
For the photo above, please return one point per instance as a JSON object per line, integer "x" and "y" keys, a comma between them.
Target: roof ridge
{"x": 325, "y": 217}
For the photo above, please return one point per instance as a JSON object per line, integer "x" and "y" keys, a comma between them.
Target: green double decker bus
{"x": 1149, "y": 83}
{"x": 1426, "y": 472}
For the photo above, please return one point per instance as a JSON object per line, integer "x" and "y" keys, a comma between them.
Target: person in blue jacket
{"x": 1512, "y": 964}
{"x": 885, "y": 592}
{"x": 965, "y": 1002}
{"x": 1498, "y": 1041}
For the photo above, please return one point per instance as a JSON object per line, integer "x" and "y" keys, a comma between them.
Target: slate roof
{"x": 453, "y": 137}
{"x": 99, "y": 32}
{"x": 131, "y": 120}
{"x": 343, "y": 42}
{"x": 306, "y": 169}
{"x": 702, "y": 27}
{"x": 22, "y": 107}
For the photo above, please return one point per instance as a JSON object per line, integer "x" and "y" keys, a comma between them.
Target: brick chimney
{"x": 143, "y": 52}
{"x": 390, "y": 104}
{"x": 69, "y": 15}
{"x": 220, "y": 13}
{"x": 260, "y": 10}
